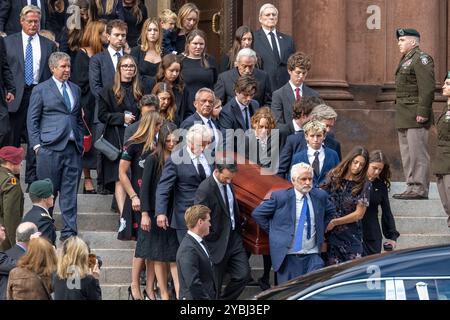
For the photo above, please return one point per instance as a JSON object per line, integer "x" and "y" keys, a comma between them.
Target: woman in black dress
{"x": 107, "y": 9}
{"x": 91, "y": 44}
{"x": 136, "y": 150}
{"x": 148, "y": 53}
{"x": 349, "y": 191}
{"x": 167, "y": 102}
{"x": 379, "y": 174}
{"x": 188, "y": 18}
{"x": 170, "y": 72}
{"x": 197, "y": 67}
{"x": 56, "y": 16}
{"x": 155, "y": 243}
{"x": 118, "y": 108}
{"x": 135, "y": 13}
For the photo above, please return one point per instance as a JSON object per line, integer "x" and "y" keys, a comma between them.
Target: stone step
{"x": 96, "y": 221}
{"x": 105, "y": 240}
{"x": 422, "y": 225}
{"x": 86, "y": 203}
{"x": 417, "y": 208}
{"x": 418, "y": 240}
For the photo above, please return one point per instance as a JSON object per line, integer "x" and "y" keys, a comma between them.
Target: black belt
{"x": 26, "y": 87}
{"x": 300, "y": 255}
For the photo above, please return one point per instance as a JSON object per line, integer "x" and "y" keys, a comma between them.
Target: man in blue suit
{"x": 55, "y": 130}
{"x": 295, "y": 220}
{"x": 321, "y": 158}
{"x": 182, "y": 174}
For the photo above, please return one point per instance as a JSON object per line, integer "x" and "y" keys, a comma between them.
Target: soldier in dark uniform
{"x": 11, "y": 195}
{"x": 41, "y": 195}
{"x": 415, "y": 86}
{"x": 441, "y": 167}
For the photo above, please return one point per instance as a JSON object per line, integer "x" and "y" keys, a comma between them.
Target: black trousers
{"x": 18, "y": 123}
{"x": 4, "y": 123}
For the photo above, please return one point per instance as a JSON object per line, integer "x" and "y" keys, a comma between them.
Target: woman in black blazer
{"x": 118, "y": 108}
{"x": 379, "y": 174}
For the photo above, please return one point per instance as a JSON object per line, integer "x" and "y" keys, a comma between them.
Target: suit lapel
{"x": 199, "y": 247}
{"x": 21, "y": 53}
{"x": 109, "y": 62}
{"x": 281, "y": 44}
{"x": 264, "y": 40}
{"x": 44, "y": 54}
{"x": 315, "y": 209}
{"x": 238, "y": 114}
{"x": 218, "y": 194}
{"x": 292, "y": 206}
{"x": 289, "y": 94}
{"x": 54, "y": 88}
{"x": 74, "y": 96}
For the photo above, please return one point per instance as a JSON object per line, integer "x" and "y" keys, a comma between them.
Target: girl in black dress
{"x": 148, "y": 53}
{"x": 349, "y": 191}
{"x": 135, "y": 13}
{"x": 107, "y": 9}
{"x": 167, "y": 102}
{"x": 170, "y": 72}
{"x": 92, "y": 43}
{"x": 136, "y": 150}
{"x": 379, "y": 174}
{"x": 197, "y": 67}
{"x": 118, "y": 108}
{"x": 155, "y": 243}
{"x": 188, "y": 18}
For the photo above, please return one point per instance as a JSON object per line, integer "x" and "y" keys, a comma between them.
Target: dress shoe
{"x": 263, "y": 284}
{"x": 130, "y": 294}
{"x": 85, "y": 191}
{"x": 413, "y": 196}
{"x": 148, "y": 297}
{"x": 401, "y": 195}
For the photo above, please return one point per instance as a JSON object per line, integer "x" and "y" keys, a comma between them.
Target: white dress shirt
{"x": 293, "y": 87}
{"x": 202, "y": 159}
{"x": 38, "y": 4}
{"x": 311, "y": 156}
{"x": 215, "y": 131}
{"x": 269, "y": 38}
{"x": 113, "y": 55}
{"x": 36, "y": 46}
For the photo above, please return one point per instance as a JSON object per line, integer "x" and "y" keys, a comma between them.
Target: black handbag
{"x": 109, "y": 150}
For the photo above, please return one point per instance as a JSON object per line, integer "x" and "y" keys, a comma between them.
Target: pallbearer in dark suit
{"x": 295, "y": 220}
{"x": 224, "y": 240}
{"x": 195, "y": 268}
{"x": 41, "y": 195}
{"x": 55, "y": 129}
{"x": 27, "y": 54}
{"x": 272, "y": 46}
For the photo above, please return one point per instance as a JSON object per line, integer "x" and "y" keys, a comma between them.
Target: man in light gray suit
{"x": 284, "y": 98}
{"x": 55, "y": 128}
{"x": 27, "y": 55}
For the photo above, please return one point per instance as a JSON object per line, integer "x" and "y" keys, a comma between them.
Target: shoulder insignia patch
{"x": 407, "y": 63}
{"x": 424, "y": 60}
{"x": 13, "y": 181}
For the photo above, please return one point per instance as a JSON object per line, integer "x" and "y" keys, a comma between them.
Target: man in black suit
{"x": 27, "y": 54}
{"x": 41, "y": 195}
{"x": 237, "y": 113}
{"x": 294, "y": 90}
{"x": 23, "y": 234}
{"x": 195, "y": 268}
{"x": 182, "y": 174}
{"x": 7, "y": 92}
{"x": 10, "y": 14}
{"x": 273, "y": 46}
{"x": 224, "y": 240}
{"x": 245, "y": 66}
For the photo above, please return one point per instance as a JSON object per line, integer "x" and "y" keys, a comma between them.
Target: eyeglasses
{"x": 128, "y": 66}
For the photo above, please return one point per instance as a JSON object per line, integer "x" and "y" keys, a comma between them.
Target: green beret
{"x": 42, "y": 188}
{"x": 448, "y": 75}
{"x": 407, "y": 32}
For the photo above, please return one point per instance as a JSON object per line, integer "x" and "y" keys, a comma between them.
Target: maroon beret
{"x": 11, "y": 154}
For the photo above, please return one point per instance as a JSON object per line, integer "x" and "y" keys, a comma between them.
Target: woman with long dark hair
{"x": 379, "y": 175}
{"x": 349, "y": 191}
{"x": 167, "y": 102}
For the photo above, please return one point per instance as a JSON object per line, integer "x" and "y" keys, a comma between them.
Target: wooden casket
{"x": 252, "y": 188}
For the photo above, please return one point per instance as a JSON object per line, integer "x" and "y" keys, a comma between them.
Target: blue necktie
{"x": 304, "y": 215}
{"x": 34, "y": 3}
{"x": 212, "y": 129}
{"x": 66, "y": 97}
{"x": 247, "y": 124}
{"x": 29, "y": 63}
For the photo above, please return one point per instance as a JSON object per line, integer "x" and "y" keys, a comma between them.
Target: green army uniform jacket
{"x": 415, "y": 85}
{"x": 441, "y": 165}
{"x": 11, "y": 206}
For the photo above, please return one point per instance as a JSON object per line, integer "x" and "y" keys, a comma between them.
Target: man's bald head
{"x": 24, "y": 231}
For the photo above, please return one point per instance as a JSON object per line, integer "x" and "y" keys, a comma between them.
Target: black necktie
{"x": 212, "y": 129}
{"x": 34, "y": 3}
{"x": 316, "y": 164}
{"x": 275, "y": 47}
{"x": 201, "y": 170}
{"x": 246, "y": 118}
{"x": 225, "y": 193}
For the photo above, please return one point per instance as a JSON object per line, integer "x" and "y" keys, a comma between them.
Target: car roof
{"x": 414, "y": 262}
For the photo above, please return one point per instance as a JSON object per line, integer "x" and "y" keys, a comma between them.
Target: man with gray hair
{"x": 244, "y": 65}
{"x": 273, "y": 47}
{"x": 415, "y": 85}
{"x": 183, "y": 172}
{"x": 55, "y": 129}
{"x": 295, "y": 247}
{"x": 27, "y": 54}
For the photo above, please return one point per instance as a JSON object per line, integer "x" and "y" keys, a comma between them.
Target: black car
{"x": 410, "y": 274}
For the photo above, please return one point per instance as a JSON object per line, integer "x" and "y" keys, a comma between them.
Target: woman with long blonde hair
{"x": 73, "y": 268}
{"x": 32, "y": 278}
{"x": 107, "y": 9}
{"x": 188, "y": 18}
{"x": 137, "y": 148}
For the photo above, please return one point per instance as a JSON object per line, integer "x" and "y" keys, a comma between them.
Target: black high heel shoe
{"x": 130, "y": 294}
{"x": 146, "y": 296}
{"x": 85, "y": 191}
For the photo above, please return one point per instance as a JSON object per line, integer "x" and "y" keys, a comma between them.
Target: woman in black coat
{"x": 118, "y": 108}
{"x": 379, "y": 174}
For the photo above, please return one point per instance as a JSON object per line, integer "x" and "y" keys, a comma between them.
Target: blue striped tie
{"x": 66, "y": 97}
{"x": 29, "y": 63}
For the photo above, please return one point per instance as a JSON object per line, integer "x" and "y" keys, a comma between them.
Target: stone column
{"x": 320, "y": 31}
{"x": 424, "y": 16}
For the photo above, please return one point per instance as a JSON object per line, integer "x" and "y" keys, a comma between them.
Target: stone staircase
{"x": 420, "y": 222}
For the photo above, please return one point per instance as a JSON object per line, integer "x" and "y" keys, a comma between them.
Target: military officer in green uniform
{"x": 441, "y": 166}
{"x": 415, "y": 85}
{"x": 11, "y": 195}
